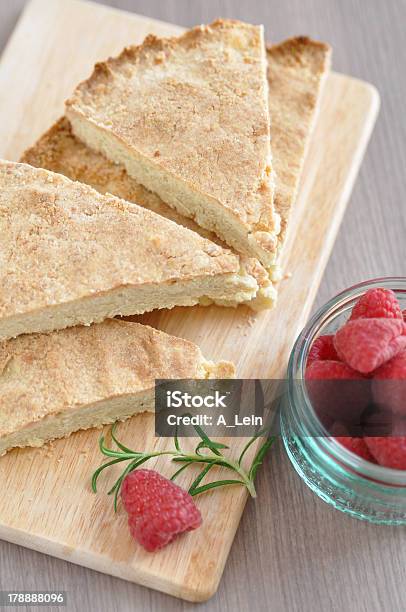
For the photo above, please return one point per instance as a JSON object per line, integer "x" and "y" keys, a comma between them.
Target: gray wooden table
{"x": 292, "y": 551}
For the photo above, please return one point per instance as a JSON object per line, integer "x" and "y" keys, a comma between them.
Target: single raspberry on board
{"x": 389, "y": 451}
{"x": 365, "y": 344}
{"x": 323, "y": 348}
{"x": 389, "y": 385}
{"x": 375, "y": 304}
{"x": 158, "y": 509}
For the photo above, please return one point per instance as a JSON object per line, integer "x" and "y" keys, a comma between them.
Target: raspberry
{"x": 377, "y": 422}
{"x": 389, "y": 385}
{"x": 158, "y": 509}
{"x": 365, "y": 344}
{"x": 330, "y": 370}
{"x": 375, "y": 304}
{"x": 390, "y": 451}
{"x": 322, "y": 349}
{"x": 404, "y": 315}
{"x": 357, "y": 446}
{"x": 337, "y": 392}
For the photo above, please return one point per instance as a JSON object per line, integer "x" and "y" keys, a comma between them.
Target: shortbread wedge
{"x": 188, "y": 117}
{"x": 60, "y": 151}
{"x": 54, "y": 384}
{"x": 297, "y": 70}
{"x": 72, "y": 256}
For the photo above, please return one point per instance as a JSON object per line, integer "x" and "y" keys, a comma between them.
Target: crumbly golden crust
{"x": 196, "y": 106}
{"x": 60, "y": 151}
{"x": 296, "y": 71}
{"x": 62, "y": 241}
{"x": 45, "y": 375}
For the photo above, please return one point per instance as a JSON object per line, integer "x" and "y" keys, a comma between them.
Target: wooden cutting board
{"x": 47, "y": 503}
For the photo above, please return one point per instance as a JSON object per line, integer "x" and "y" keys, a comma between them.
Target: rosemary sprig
{"x": 214, "y": 457}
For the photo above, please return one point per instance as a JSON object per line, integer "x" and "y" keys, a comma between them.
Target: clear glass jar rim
{"x": 298, "y": 395}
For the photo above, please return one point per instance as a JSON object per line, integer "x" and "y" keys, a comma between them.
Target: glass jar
{"x": 341, "y": 478}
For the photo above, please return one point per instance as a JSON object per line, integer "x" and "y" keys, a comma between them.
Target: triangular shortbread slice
{"x": 54, "y": 384}
{"x": 297, "y": 70}
{"x": 188, "y": 118}
{"x": 60, "y": 151}
{"x": 69, "y": 256}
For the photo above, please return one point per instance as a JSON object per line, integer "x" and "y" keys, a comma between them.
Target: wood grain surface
{"x": 292, "y": 551}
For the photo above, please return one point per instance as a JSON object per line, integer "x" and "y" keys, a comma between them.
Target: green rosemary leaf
{"x": 116, "y": 488}
{"x": 250, "y": 442}
{"x": 112, "y": 453}
{"x": 214, "y": 485}
{"x": 259, "y": 457}
{"x": 200, "y": 432}
{"x": 213, "y": 445}
{"x": 176, "y": 439}
{"x": 213, "y": 460}
{"x": 205, "y": 438}
{"x": 180, "y": 470}
{"x": 120, "y": 479}
{"x": 244, "y": 450}
{"x": 207, "y": 443}
{"x": 200, "y": 477}
{"x": 121, "y": 446}
{"x": 201, "y": 445}
{"x": 100, "y": 469}
{"x": 218, "y": 444}
{"x": 116, "y": 497}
